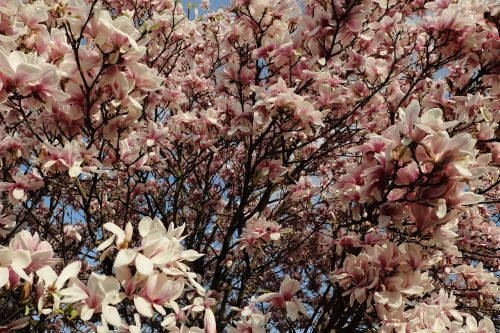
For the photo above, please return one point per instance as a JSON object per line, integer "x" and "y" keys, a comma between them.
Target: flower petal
{"x": 143, "y": 307}
{"x": 143, "y": 264}
{"x": 124, "y": 257}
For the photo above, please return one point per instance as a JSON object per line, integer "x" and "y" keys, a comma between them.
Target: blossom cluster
{"x": 267, "y": 166}
{"x": 160, "y": 278}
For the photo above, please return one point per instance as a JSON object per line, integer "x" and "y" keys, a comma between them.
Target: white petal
{"x": 191, "y": 255}
{"x": 114, "y": 229}
{"x": 464, "y": 171}
{"x": 124, "y": 257}
{"x": 441, "y": 209}
{"x": 4, "y": 276}
{"x": 145, "y": 226}
{"x": 86, "y": 312}
{"x": 143, "y": 307}
{"x": 111, "y": 315}
{"x": 470, "y": 198}
{"x": 47, "y": 274}
{"x": 73, "y": 294}
{"x": 68, "y": 272}
{"x": 18, "y": 193}
{"x": 74, "y": 171}
{"x": 432, "y": 116}
{"x": 160, "y": 309}
{"x": 21, "y": 258}
{"x": 104, "y": 245}
{"x": 209, "y": 322}
{"x": 143, "y": 264}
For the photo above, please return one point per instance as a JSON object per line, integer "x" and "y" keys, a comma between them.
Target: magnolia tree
{"x": 325, "y": 166}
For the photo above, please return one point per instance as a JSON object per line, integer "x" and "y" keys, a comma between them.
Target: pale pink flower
{"x": 285, "y": 299}
{"x": 40, "y": 252}
{"x": 68, "y": 158}
{"x": 98, "y": 296}
{"x": 358, "y": 276}
{"x": 19, "y": 188}
{"x": 158, "y": 292}
{"x": 52, "y": 284}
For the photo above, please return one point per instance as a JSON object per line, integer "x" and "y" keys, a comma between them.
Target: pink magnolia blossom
{"x": 52, "y": 284}
{"x": 285, "y": 298}
{"x": 98, "y": 296}
{"x": 19, "y": 188}
{"x": 162, "y": 165}
{"x": 158, "y": 292}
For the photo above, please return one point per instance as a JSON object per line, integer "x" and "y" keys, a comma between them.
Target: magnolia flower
{"x": 128, "y": 282}
{"x": 122, "y": 237}
{"x": 158, "y": 292}
{"x": 12, "y": 266}
{"x": 40, "y": 253}
{"x": 453, "y": 155}
{"x": 98, "y": 296}
{"x": 67, "y": 158}
{"x": 118, "y": 35}
{"x": 284, "y": 299}
{"x": 53, "y": 284}
{"x": 19, "y": 188}
{"x": 258, "y": 231}
{"x": 302, "y": 190}
{"x": 29, "y": 74}
{"x": 358, "y": 276}
{"x": 125, "y": 255}
{"x": 307, "y": 115}
{"x": 400, "y": 286}
{"x": 155, "y": 134}
{"x": 271, "y": 169}
{"x": 162, "y": 248}
{"x": 71, "y": 233}
{"x": 416, "y": 128}
{"x": 251, "y": 319}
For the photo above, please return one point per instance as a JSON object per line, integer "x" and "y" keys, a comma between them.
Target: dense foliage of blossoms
{"x": 273, "y": 166}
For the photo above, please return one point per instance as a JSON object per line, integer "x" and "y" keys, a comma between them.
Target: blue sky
{"x": 214, "y": 4}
